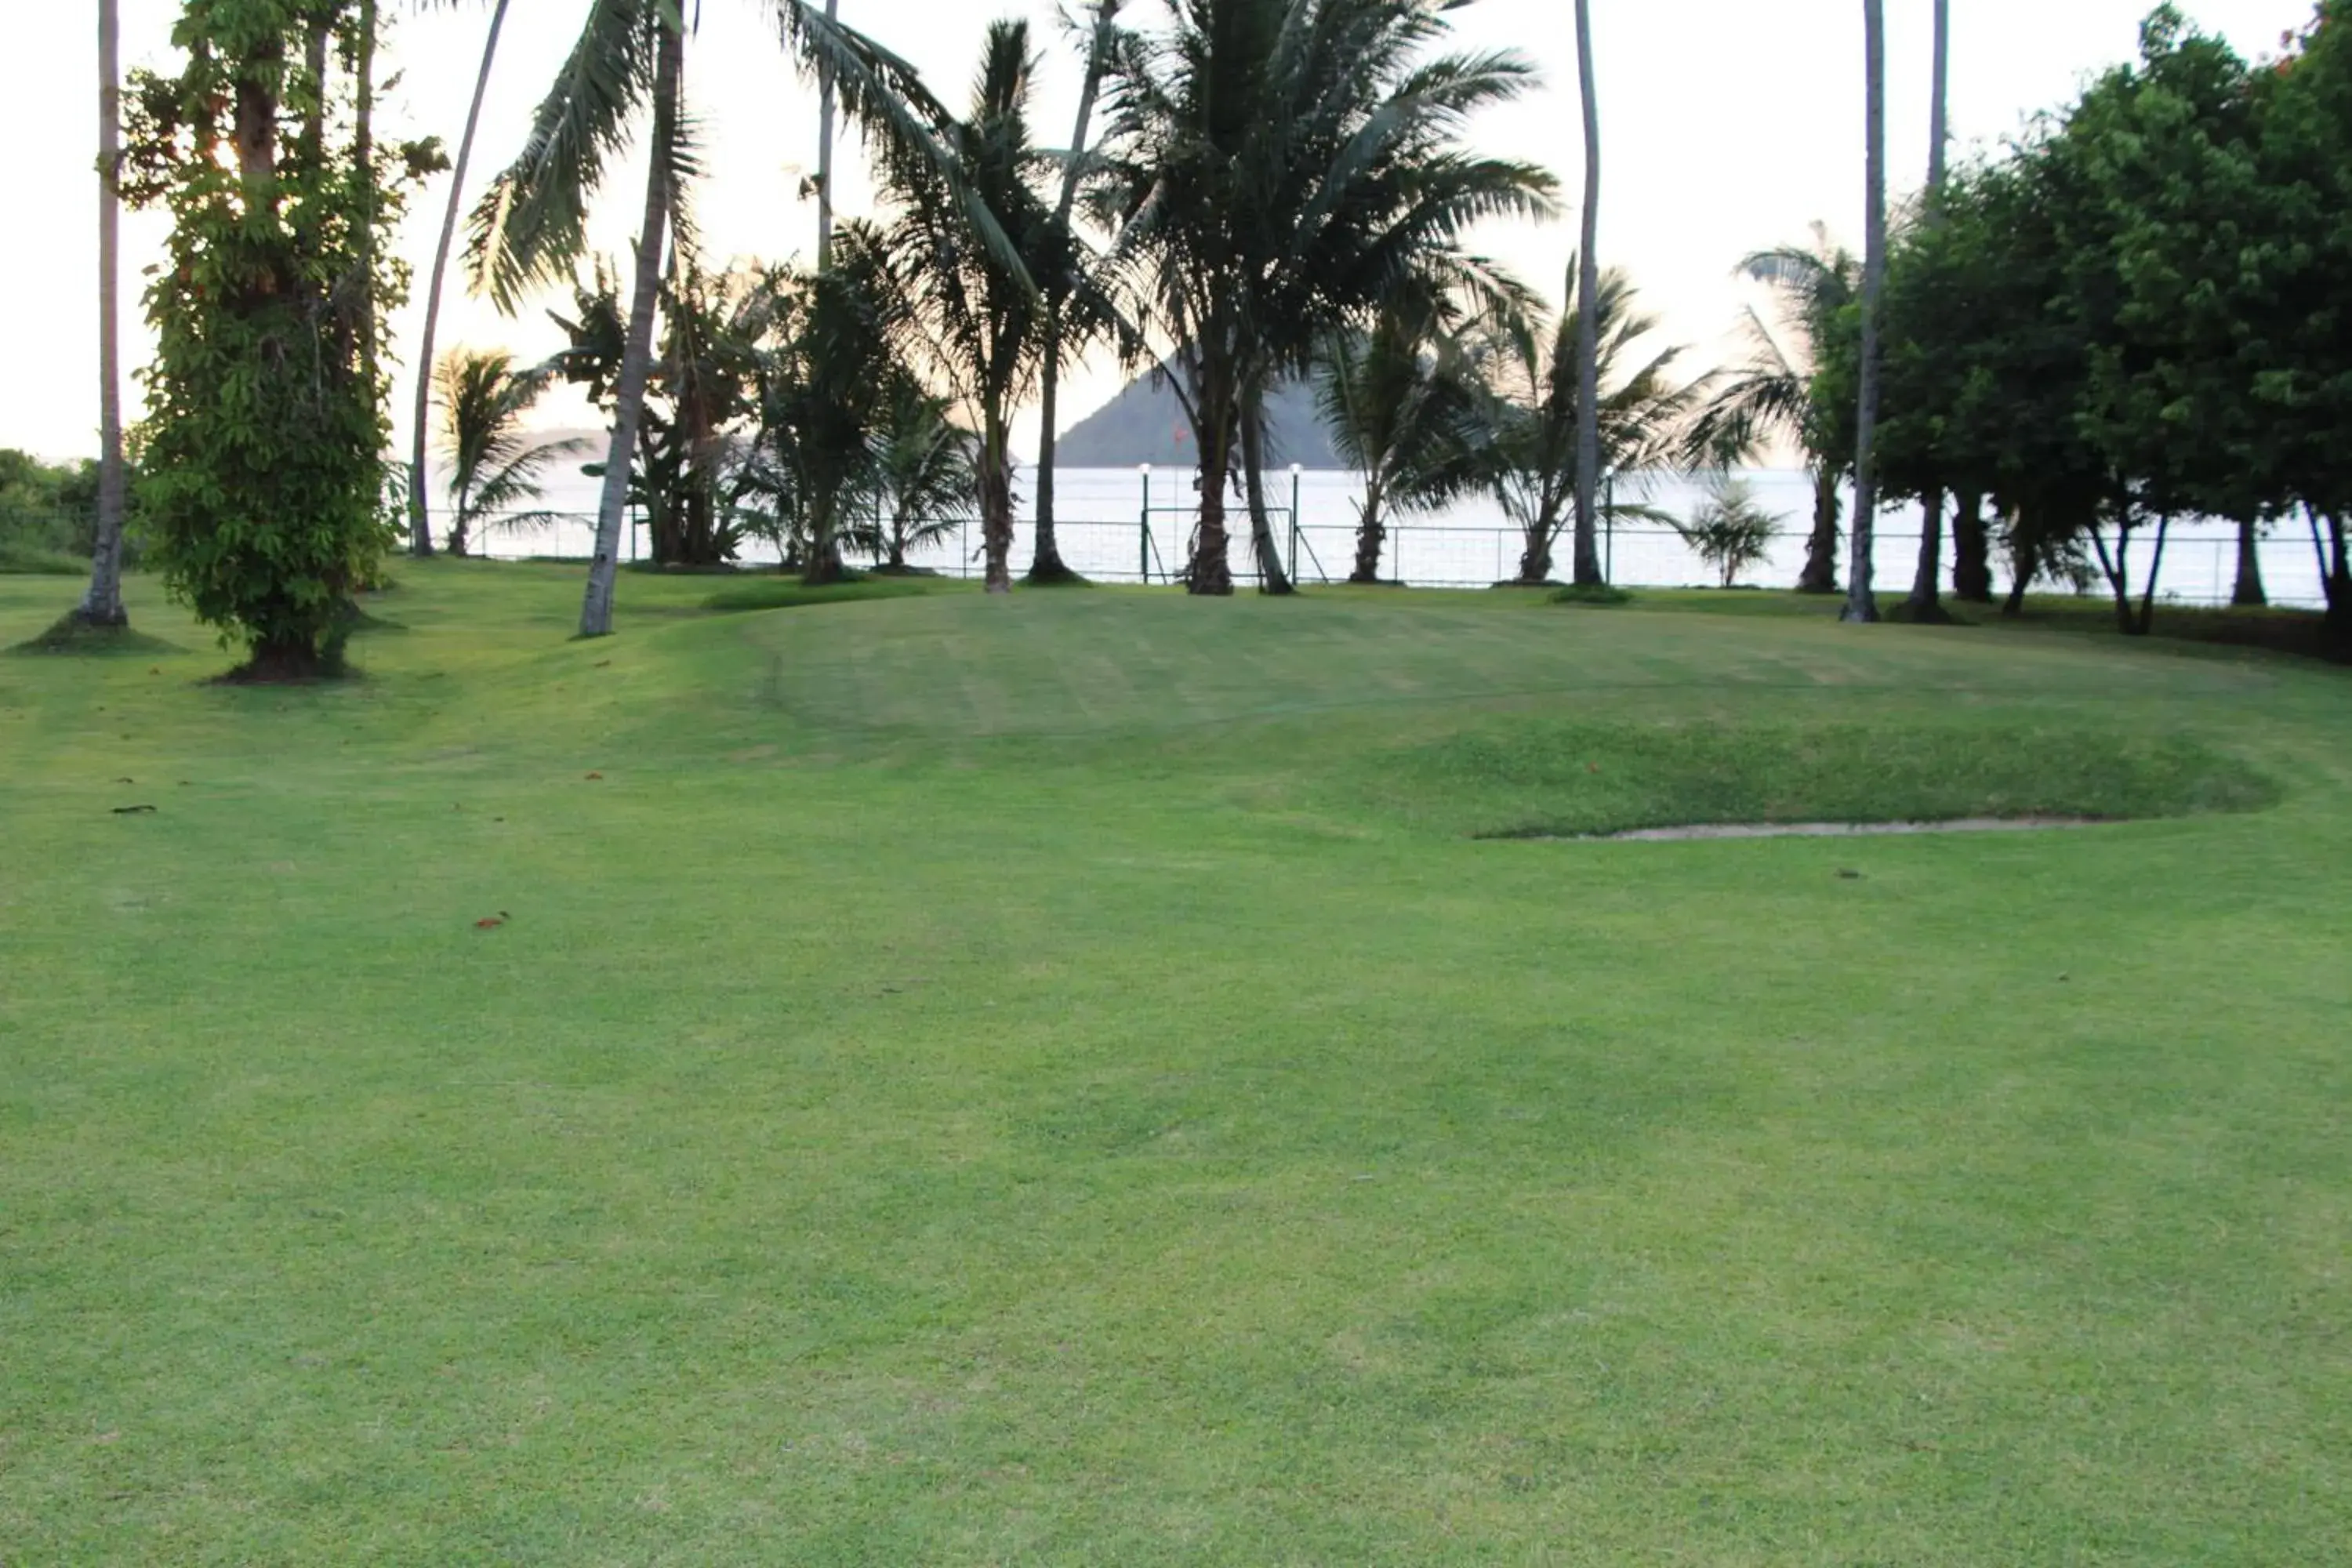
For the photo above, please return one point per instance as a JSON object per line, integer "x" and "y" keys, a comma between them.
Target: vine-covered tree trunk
{"x": 1925, "y": 603}
{"x": 1819, "y": 573}
{"x": 420, "y": 524}
{"x": 1210, "y": 570}
{"x": 2247, "y": 590}
{"x": 1535, "y": 560}
{"x": 101, "y": 605}
{"x": 637, "y": 355}
{"x": 1971, "y": 552}
{"x": 1587, "y": 565}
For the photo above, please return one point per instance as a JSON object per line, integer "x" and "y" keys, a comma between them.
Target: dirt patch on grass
{"x": 1819, "y": 829}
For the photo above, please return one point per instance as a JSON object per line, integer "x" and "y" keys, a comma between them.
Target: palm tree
{"x": 827, "y": 391}
{"x": 981, "y": 314}
{"x": 1770, "y": 397}
{"x": 101, "y": 605}
{"x": 1861, "y": 603}
{"x": 530, "y": 228}
{"x": 493, "y": 464}
{"x": 1534, "y": 417}
{"x": 1277, "y": 167}
{"x": 1401, "y": 402}
{"x": 1064, "y": 282}
{"x": 420, "y": 527}
{"x": 1925, "y": 604}
{"x": 924, "y": 474}
{"x": 1587, "y": 569}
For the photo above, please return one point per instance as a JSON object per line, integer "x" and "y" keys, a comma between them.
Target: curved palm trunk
{"x": 1211, "y": 571}
{"x": 420, "y": 525}
{"x": 1588, "y": 572}
{"x": 637, "y": 353}
{"x": 1861, "y": 603}
{"x": 1271, "y": 577}
{"x": 1924, "y": 603}
{"x": 1045, "y": 563}
{"x": 101, "y": 605}
{"x": 1971, "y": 552}
{"x": 1820, "y": 574}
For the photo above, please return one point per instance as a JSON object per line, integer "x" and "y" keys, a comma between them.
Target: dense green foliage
{"x": 263, "y": 479}
{"x": 1062, "y": 1084}
{"x": 47, "y": 514}
{"x": 2132, "y": 317}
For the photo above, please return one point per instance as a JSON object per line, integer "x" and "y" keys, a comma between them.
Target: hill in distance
{"x": 1145, "y": 424}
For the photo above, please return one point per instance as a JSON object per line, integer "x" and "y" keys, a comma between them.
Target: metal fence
{"x": 1153, "y": 545}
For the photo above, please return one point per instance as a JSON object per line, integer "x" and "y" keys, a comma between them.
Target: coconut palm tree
{"x": 420, "y": 527}
{"x": 1770, "y": 397}
{"x": 101, "y": 605}
{"x": 1533, "y": 414}
{"x": 1862, "y": 604}
{"x": 1277, "y": 166}
{"x": 923, "y": 474}
{"x": 530, "y": 229}
{"x": 1401, "y": 402}
{"x": 493, "y": 464}
{"x": 1587, "y": 567}
{"x": 1925, "y": 603}
{"x": 982, "y": 313}
{"x": 1071, "y": 303}
{"x": 828, "y": 389}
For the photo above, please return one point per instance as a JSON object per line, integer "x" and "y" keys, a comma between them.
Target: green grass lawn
{"x": 1070, "y": 1080}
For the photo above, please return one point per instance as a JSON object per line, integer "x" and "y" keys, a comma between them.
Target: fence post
{"x": 1295, "y": 469}
{"x": 1609, "y": 532}
{"x": 1143, "y": 539}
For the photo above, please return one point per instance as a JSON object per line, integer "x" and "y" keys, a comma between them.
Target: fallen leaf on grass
{"x": 131, "y": 810}
{"x": 595, "y": 775}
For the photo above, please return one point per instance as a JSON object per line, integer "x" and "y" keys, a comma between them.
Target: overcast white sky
{"x": 1727, "y": 125}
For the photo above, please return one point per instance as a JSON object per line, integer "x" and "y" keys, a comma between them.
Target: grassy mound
{"x": 788, "y": 593}
{"x": 1551, "y": 778}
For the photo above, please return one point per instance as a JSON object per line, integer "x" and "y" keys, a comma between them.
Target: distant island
{"x": 1145, "y": 424}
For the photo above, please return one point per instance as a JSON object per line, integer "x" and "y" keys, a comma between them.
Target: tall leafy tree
{"x": 1862, "y": 604}
{"x": 1280, "y": 165}
{"x": 420, "y": 524}
{"x": 267, "y": 423}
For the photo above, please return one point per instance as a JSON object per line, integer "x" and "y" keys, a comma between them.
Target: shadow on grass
{"x": 70, "y": 634}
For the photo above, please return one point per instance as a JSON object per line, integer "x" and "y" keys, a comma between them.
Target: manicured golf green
{"x": 1092, "y": 1078}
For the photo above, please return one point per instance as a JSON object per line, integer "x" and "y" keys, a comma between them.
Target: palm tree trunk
{"x": 1588, "y": 571}
{"x": 1924, "y": 605}
{"x": 996, "y": 504}
{"x": 1271, "y": 577}
{"x": 1820, "y": 574}
{"x": 1372, "y": 534}
{"x": 2248, "y": 591}
{"x": 420, "y": 525}
{"x": 638, "y": 351}
{"x": 363, "y": 156}
{"x": 1535, "y": 560}
{"x": 1971, "y": 552}
{"x": 101, "y": 605}
{"x": 1211, "y": 571}
{"x": 1861, "y": 603}
{"x": 824, "y": 99}
{"x": 1045, "y": 563}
